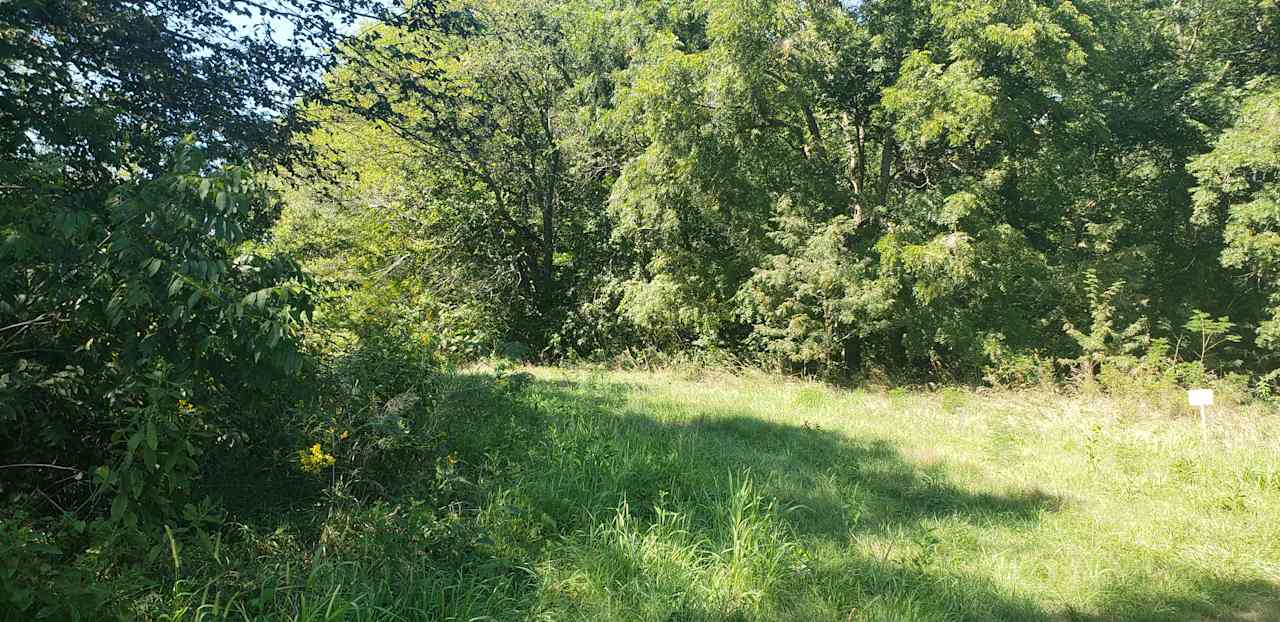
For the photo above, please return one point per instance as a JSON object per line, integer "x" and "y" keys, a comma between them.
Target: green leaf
{"x": 134, "y": 441}
{"x": 118, "y": 506}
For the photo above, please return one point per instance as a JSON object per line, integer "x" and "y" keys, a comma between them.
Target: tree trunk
{"x": 853, "y": 354}
{"x": 550, "y": 197}
{"x": 814, "y": 148}
{"x": 856, "y": 164}
{"x": 886, "y": 164}
{"x": 853, "y": 152}
{"x": 548, "y": 224}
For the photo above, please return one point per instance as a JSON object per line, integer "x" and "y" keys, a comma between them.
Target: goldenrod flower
{"x": 315, "y": 459}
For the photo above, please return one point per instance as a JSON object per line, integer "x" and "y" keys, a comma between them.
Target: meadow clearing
{"x": 670, "y": 496}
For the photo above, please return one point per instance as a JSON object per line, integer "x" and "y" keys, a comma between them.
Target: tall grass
{"x": 597, "y": 495}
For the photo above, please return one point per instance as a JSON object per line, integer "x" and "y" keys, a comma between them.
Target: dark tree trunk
{"x": 548, "y": 235}
{"x": 550, "y": 197}
{"x": 853, "y": 354}
{"x": 814, "y": 148}
{"x": 886, "y": 164}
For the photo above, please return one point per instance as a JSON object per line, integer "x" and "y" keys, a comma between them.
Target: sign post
{"x": 1202, "y": 398}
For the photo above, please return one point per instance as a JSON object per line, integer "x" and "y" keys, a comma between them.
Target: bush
{"x": 813, "y": 303}
{"x": 136, "y": 333}
{"x": 1016, "y": 370}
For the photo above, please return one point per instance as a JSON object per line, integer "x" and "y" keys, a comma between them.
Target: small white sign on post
{"x": 1201, "y": 398}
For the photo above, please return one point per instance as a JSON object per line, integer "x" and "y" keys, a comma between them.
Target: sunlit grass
{"x": 916, "y": 505}
{"x": 674, "y": 497}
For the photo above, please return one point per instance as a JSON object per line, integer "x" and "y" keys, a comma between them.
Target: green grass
{"x": 666, "y": 497}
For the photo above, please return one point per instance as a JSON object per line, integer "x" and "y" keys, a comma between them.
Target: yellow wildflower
{"x": 185, "y": 407}
{"x": 344, "y": 435}
{"x": 315, "y": 459}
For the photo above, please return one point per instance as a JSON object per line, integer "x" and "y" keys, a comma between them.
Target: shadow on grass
{"x": 546, "y": 466}
{"x": 1208, "y": 599}
{"x": 256, "y": 480}
{"x": 599, "y": 450}
{"x": 676, "y": 451}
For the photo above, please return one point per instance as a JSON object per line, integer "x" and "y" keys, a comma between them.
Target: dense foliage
{"x": 142, "y": 333}
{"x": 920, "y": 188}
{"x": 240, "y": 239}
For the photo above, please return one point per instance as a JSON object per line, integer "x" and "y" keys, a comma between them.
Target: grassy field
{"x": 713, "y": 497}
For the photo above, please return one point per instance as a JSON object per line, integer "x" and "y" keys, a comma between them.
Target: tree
{"x": 670, "y": 174}
{"x": 487, "y": 160}
{"x": 1240, "y": 180}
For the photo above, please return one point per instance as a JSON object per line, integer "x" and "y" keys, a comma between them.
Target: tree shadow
{"x": 808, "y": 471}
{"x": 597, "y": 450}
{"x": 559, "y": 458}
{"x": 1206, "y": 598}
{"x": 812, "y": 466}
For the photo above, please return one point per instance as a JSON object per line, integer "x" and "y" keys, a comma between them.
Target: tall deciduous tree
{"x": 676, "y": 174}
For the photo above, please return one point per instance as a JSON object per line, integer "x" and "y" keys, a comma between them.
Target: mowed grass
{"x": 671, "y": 497}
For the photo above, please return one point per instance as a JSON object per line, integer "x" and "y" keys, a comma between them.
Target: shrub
{"x": 1015, "y": 370}
{"x": 814, "y": 302}
{"x": 135, "y": 333}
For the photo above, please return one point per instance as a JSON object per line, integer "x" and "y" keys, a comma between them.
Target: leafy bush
{"x": 815, "y": 301}
{"x": 1016, "y": 370}
{"x": 1130, "y": 362}
{"x": 1105, "y": 343}
{"x": 135, "y": 334}
{"x": 1239, "y": 183}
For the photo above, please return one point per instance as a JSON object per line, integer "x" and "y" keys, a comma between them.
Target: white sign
{"x": 1200, "y": 397}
